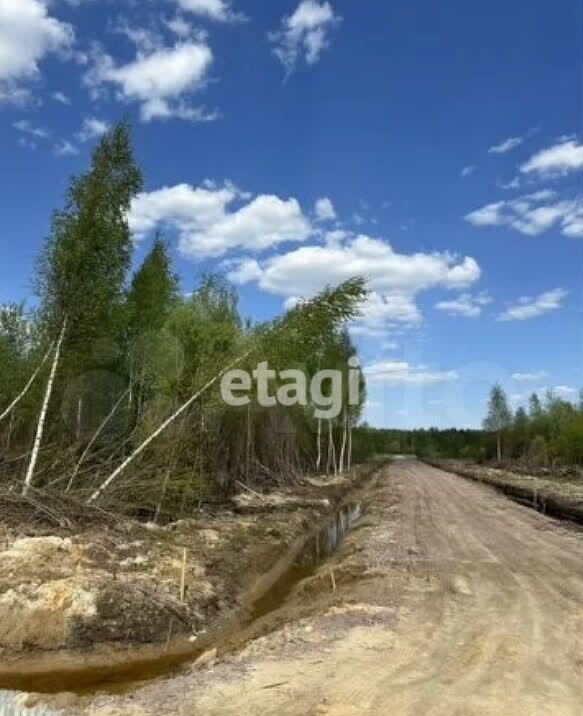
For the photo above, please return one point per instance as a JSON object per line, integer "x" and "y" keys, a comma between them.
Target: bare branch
{"x": 163, "y": 427}
{"x": 94, "y": 438}
{"x": 26, "y": 388}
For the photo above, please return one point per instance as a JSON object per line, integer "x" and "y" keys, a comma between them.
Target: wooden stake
{"x": 333, "y": 580}
{"x": 183, "y": 577}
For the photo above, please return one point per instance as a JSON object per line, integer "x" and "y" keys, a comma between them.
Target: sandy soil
{"x": 449, "y": 600}
{"x": 71, "y": 593}
{"x": 559, "y": 494}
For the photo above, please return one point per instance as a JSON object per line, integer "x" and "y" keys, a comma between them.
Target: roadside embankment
{"x": 445, "y": 598}
{"x": 73, "y": 596}
{"x": 555, "y": 495}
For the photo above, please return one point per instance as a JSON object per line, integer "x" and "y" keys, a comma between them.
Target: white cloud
{"x": 160, "y": 80}
{"x": 381, "y": 310}
{"x": 512, "y": 184}
{"x": 209, "y": 223}
{"x": 564, "y": 391}
{"x": 145, "y": 40}
{"x": 402, "y": 373}
{"x": 394, "y": 279}
{"x": 305, "y": 270}
{"x": 27, "y": 34}
{"x": 467, "y": 171}
{"x": 27, "y": 143}
{"x": 65, "y": 148}
{"x": 304, "y": 34}
{"x": 92, "y": 128}
{"x": 573, "y": 226}
{"x": 16, "y": 96}
{"x": 506, "y": 146}
{"x": 390, "y": 346}
{"x": 533, "y": 214}
{"x": 535, "y": 377}
{"x": 24, "y": 126}
{"x": 61, "y": 97}
{"x": 180, "y": 27}
{"x": 533, "y": 306}
{"x": 558, "y": 391}
{"x": 465, "y": 305}
{"x": 324, "y": 210}
{"x": 217, "y": 10}
{"x": 558, "y": 160}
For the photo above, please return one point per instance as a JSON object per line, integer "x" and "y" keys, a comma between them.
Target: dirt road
{"x": 449, "y": 600}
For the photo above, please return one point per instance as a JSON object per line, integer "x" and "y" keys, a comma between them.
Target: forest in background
{"x": 547, "y": 434}
{"x": 109, "y": 389}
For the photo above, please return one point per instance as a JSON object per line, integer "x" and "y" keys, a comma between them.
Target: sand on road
{"x": 450, "y": 600}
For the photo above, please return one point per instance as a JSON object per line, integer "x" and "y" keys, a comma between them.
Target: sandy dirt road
{"x": 450, "y": 600}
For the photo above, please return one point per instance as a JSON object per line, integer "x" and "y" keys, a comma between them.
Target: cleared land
{"x": 554, "y": 494}
{"x": 449, "y": 600}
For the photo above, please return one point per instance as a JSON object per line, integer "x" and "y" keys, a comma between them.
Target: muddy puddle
{"x": 316, "y": 550}
{"x": 122, "y": 674}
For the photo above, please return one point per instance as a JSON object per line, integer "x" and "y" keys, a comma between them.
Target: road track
{"x": 452, "y": 601}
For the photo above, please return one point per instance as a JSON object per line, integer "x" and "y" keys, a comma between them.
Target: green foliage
{"x": 535, "y": 407}
{"x": 136, "y": 350}
{"x": 83, "y": 269}
{"x": 431, "y": 443}
{"x": 568, "y": 444}
{"x": 499, "y": 416}
{"x": 550, "y": 432}
{"x": 153, "y": 292}
{"x": 538, "y": 451}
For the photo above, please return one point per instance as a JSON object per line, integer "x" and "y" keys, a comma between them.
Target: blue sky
{"x": 434, "y": 148}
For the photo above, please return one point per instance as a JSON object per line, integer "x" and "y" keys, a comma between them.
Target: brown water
{"x": 316, "y": 550}
{"x": 120, "y": 676}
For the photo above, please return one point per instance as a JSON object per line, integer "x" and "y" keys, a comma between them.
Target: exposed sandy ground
{"x": 451, "y": 600}
{"x": 559, "y": 494}
{"x": 70, "y": 593}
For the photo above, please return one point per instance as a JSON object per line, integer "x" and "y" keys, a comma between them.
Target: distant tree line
{"x": 431, "y": 442}
{"x": 110, "y": 391}
{"x": 549, "y": 432}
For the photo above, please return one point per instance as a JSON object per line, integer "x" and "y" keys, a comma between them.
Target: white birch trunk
{"x": 9, "y": 435}
{"x": 332, "y": 449}
{"x": 349, "y": 456}
{"x": 130, "y": 391}
{"x": 161, "y": 429}
{"x": 319, "y": 445}
{"x": 79, "y": 418}
{"x": 94, "y": 438}
{"x": 248, "y": 445}
{"x": 26, "y": 388}
{"x": 43, "y": 413}
{"x": 343, "y": 446}
{"x": 329, "y": 451}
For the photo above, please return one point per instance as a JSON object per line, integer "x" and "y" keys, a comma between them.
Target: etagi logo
{"x": 325, "y": 389}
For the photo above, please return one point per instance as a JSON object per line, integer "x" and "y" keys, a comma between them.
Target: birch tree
{"x": 82, "y": 271}
{"x": 499, "y": 416}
